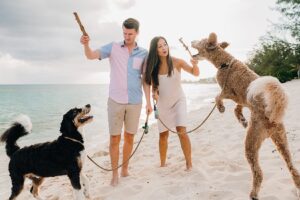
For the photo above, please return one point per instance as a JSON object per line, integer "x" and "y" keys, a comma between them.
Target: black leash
{"x": 190, "y": 131}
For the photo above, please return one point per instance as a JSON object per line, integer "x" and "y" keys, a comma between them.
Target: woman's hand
{"x": 195, "y": 69}
{"x": 155, "y": 95}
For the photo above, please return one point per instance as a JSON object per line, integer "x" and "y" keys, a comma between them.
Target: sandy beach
{"x": 220, "y": 169}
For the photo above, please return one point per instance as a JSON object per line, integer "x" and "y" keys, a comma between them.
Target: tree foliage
{"x": 275, "y": 56}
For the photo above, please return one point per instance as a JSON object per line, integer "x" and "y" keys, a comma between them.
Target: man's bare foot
{"x": 124, "y": 173}
{"x": 114, "y": 181}
{"x": 163, "y": 165}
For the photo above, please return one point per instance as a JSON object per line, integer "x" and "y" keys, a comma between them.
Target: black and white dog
{"x": 63, "y": 156}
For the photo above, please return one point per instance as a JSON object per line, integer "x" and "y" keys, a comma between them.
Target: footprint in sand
{"x": 174, "y": 190}
{"x": 97, "y": 198}
{"x": 54, "y": 198}
{"x": 100, "y": 154}
{"x": 238, "y": 176}
{"x": 270, "y": 197}
{"x": 198, "y": 175}
{"x": 137, "y": 187}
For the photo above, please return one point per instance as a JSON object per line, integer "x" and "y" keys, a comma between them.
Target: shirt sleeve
{"x": 105, "y": 51}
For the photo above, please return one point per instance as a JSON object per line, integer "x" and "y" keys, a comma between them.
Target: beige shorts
{"x": 129, "y": 114}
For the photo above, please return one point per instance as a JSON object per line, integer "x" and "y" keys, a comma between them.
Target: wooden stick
{"x": 80, "y": 25}
{"x": 186, "y": 47}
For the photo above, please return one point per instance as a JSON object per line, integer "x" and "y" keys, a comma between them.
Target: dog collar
{"x": 225, "y": 65}
{"x": 74, "y": 140}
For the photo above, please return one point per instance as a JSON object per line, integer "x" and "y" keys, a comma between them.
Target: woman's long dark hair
{"x": 153, "y": 62}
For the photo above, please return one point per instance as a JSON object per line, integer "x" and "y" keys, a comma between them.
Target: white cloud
{"x": 12, "y": 69}
{"x": 40, "y": 40}
{"x": 15, "y": 71}
{"x": 124, "y": 4}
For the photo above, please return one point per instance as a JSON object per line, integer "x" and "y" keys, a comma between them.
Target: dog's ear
{"x": 67, "y": 126}
{"x": 212, "y": 41}
{"x": 212, "y": 38}
{"x": 223, "y": 45}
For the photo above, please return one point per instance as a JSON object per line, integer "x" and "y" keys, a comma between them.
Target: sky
{"x": 39, "y": 40}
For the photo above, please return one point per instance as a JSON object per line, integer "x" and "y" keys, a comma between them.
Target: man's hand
{"x": 84, "y": 39}
{"x": 149, "y": 109}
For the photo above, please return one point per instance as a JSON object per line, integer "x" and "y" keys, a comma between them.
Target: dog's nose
{"x": 88, "y": 106}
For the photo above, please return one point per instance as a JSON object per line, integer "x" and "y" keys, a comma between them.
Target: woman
{"x": 163, "y": 73}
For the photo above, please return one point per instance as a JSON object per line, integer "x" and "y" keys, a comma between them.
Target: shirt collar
{"x": 123, "y": 45}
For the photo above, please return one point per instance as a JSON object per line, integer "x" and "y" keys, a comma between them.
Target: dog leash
{"x": 146, "y": 130}
{"x": 187, "y": 132}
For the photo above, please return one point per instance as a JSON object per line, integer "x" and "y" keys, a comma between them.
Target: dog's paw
{"x": 253, "y": 195}
{"x": 221, "y": 108}
{"x": 298, "y": 193}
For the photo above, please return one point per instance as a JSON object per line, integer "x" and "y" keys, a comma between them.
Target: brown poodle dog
{"x": 264, "y": 96}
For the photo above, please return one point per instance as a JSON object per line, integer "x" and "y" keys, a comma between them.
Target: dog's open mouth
{"x": 84, "y": 114}
{"x": 85, "y": 118}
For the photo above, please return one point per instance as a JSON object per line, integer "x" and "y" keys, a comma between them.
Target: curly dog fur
{"x": 265, "y": 98}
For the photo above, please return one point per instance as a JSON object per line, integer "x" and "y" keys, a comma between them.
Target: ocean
{"x": 46, "y": 104}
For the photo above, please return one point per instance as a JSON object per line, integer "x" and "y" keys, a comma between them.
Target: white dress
{"x": 171, "y": 103}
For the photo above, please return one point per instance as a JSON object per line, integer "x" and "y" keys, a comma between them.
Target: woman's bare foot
{"x": 124, "y": 173}
{"x": 115, "y": 180}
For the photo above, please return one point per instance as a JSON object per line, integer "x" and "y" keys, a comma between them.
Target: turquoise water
{"x": 46, "y": 104}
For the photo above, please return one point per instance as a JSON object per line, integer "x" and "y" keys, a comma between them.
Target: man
{"x": 124, "y": 104}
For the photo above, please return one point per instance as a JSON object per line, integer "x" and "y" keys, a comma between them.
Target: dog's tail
{"x": 274, "y": 96}
{"x": 21, "y": 126}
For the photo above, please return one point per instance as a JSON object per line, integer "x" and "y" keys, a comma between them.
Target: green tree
{"x": 275, "y": 56}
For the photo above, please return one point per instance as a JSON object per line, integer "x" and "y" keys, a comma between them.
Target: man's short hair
{"x": 131, "y": 23}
